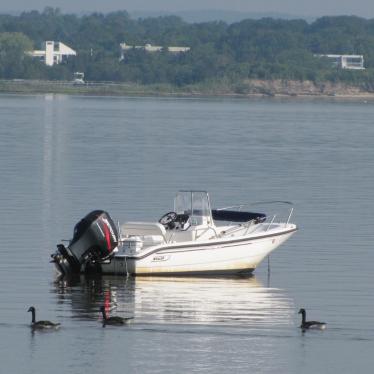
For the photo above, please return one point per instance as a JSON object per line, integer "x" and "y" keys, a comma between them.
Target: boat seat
{"x": 150, "y": 240}
{"x": 143, "y": 229}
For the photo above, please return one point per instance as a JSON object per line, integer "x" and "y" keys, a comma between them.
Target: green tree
{"x": 13, "y": 48}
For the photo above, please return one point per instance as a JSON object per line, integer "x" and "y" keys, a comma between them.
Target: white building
{"x": 150, "y": 48}
{"x": 53, "y": 53}
{"x": 353, "y": 62}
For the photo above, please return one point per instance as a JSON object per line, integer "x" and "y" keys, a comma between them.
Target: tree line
{"x": 261, "y": 49}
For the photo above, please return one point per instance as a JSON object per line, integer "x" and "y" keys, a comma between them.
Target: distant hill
{"x": 207, "y": 15}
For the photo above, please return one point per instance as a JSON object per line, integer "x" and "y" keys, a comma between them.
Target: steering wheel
{"x": 168, "y": 218}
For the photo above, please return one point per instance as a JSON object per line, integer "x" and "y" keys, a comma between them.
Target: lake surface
{"x": 63, "y": 156}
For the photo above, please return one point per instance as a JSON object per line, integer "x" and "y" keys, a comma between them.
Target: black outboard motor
{"x": 95, "y": 238}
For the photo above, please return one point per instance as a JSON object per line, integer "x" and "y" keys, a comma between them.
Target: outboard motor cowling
{"x": 95, "y": 238}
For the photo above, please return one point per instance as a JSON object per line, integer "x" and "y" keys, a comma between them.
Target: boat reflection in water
{"x": 234, "y": 301}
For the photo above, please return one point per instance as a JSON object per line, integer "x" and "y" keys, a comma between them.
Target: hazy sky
{"x": 363, "y": 8}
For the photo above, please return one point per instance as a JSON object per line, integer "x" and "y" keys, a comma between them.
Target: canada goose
{"x": 41, "y": 324}
{"x": 115, "y": 320}
{"x": 305, "y": 325}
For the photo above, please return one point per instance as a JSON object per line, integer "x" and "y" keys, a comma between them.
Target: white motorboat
{"x": 191, "y": 239}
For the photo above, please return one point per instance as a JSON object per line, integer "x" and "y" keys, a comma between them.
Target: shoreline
{"x": 247, "y": 88}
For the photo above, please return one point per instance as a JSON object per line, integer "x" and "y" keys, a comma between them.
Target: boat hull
{"x": 225, "y": 257}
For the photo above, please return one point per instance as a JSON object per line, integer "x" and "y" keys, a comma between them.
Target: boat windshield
{"x": 193, "y": 203}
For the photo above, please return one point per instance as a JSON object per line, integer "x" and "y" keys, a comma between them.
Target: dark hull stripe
{"x": 202, "y": 273}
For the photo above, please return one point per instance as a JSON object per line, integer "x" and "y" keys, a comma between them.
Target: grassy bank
{"x": 213, "y": 88}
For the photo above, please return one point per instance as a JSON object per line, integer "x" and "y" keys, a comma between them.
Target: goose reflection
{"x": 179, "y": 300}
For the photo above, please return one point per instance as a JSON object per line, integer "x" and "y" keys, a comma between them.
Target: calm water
{"x": 61, "y": 157}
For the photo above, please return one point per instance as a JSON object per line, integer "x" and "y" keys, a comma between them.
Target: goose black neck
{"x": 104, "y": 314}
{"x": 303, "y": 317}
{"x": 32, "y": 315}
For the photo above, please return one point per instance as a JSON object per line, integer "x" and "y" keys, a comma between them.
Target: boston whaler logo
{"x": 160, "y": 258}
